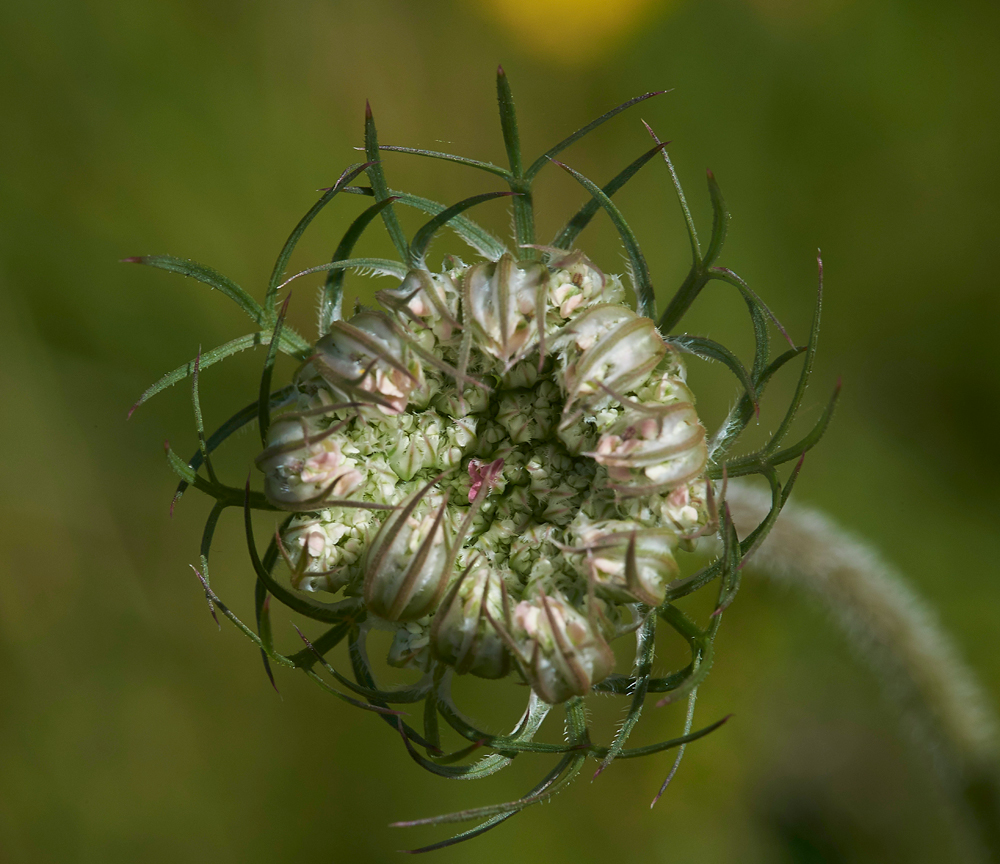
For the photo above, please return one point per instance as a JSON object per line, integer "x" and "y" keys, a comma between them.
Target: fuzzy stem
{"x": 895, "y": 631}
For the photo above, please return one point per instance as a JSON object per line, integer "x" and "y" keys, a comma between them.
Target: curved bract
{"x": 503, "y": 465}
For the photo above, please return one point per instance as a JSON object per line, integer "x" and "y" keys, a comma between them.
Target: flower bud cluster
{"x": 501, "y": 464}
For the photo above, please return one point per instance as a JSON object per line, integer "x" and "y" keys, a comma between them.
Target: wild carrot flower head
{"x": 502, "y": 464}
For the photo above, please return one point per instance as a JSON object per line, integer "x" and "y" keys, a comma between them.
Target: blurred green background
{"x": 131, "y": 729}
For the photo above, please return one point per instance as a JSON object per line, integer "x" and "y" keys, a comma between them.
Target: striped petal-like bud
{"x": 461, "y": 633}
{"x": 366, "y": 359}
{"x": 320, "y": 551}
{"x": 608, "y": 347}
{"x": 431, "y": 300}
{"x": 506, "y": 301}
{"x": 576, "y": 283}
{"x": 304, "y": 463}
{"x": 654, "y": 445}
{"x": 628, "y": 563}
{"x": 560, "y": 651}
{"x": 408, "y": 566}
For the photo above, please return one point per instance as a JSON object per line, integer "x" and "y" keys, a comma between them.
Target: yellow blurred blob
{"x": 574, "y": 32}
{"x": 796, "y": 13}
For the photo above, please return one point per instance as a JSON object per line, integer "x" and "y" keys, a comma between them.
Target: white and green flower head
{"x": 502, "y": 464}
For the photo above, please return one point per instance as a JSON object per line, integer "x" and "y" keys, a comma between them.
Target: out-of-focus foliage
{"x": 131, "y": 729}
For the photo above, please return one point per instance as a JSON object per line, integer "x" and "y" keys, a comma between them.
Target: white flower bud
{"x": 628, "y": 562}
{"x": 407, "y": 566}
{"x": 430, "y": 299}
{"x": 690, "y": 507}
{"x": 365, "y": 359}
{"x": 608, "y": 348}
{"x": 304, "y": 464}
{"x": 461, "y": 633}
{"x": 504, "y": 300}
{"x": 654, "y": 446}
{"x": 322, "y": 553}
{"x": 575, "y": 283}
{"x": 561, "y": 653}
{"x": 533, "y": 544}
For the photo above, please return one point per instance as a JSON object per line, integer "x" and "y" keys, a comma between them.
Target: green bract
{"x": 503, "y": 465}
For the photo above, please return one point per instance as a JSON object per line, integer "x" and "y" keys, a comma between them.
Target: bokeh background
{"x": 131, "y": 729}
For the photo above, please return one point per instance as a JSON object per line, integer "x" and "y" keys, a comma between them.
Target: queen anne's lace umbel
{"x": 502, "y": 464}
{"x": 540, "y": 449}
